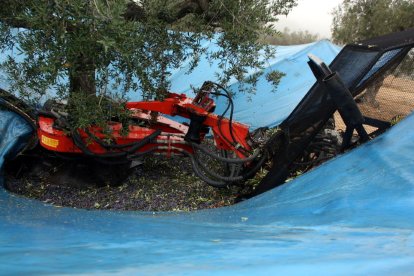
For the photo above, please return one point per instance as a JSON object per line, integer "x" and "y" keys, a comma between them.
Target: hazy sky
{"x": 312, "y": 15}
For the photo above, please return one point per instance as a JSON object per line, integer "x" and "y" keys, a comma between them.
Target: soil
{"x": 158, "y": 184}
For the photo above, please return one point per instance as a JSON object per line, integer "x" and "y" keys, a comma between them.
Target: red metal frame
{"x": 170, "y": 141}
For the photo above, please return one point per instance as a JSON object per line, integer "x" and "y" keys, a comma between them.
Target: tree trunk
{"x": 82, "y": 76}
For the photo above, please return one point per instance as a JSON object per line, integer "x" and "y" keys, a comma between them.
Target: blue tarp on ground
{"x": 352, "y": 215}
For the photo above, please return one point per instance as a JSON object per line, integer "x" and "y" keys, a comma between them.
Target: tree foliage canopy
{"x": 355, "y": 20}
{"x": 80, "y": 45}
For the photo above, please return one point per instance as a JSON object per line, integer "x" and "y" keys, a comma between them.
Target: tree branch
{"x": 9, "y": 17}
{"x": 179, "y": 9}
{"x": 134, "y": 12}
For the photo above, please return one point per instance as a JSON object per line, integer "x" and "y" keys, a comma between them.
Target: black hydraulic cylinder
{"x": 347, "y": 107}
{"x": 196, "y": 126}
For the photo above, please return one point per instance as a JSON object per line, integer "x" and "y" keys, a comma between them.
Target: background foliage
{"x": 288, "y": 37}
{"x": 356, "y": 20}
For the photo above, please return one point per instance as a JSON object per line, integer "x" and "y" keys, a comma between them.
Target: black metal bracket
{"x": 347, "y": 107}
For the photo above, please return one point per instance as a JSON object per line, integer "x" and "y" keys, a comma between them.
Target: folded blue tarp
{"x": 267, "y": 107}
{"x": 352, "y": 215}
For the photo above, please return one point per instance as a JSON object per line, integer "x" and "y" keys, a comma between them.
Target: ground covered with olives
{"x": 153, "y": 184}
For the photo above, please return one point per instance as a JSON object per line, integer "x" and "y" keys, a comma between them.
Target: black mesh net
{"x": 390, "y": 98}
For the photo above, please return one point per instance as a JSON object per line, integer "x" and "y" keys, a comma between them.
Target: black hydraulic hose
{"x": 200, "y": 174}
{"x": 214, "y": 183}
{"x": 227, "y": 160}
{"x": 231, "y": 110}
{"x": 107, "y": 146}
{"x": 77, "y": 139}
{"x": 232, "y": 168}
{"x": 215, "y": 175}
{"x": 79, "y": 143}
{"x": 223, "y": 114}
{"x": 220, "y": 183}
{"x": 243, "y": 176}
{"x": 223, "y": 184}
{"x": 230, "y": 106}
{"x": 143, "y": 142}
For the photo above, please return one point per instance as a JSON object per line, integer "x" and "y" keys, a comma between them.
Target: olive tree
{"x": 84, "y": 48}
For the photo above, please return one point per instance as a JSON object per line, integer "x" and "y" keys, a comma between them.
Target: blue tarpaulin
{"x": 267, "y": 107}
{"x": 352, "y": 215}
